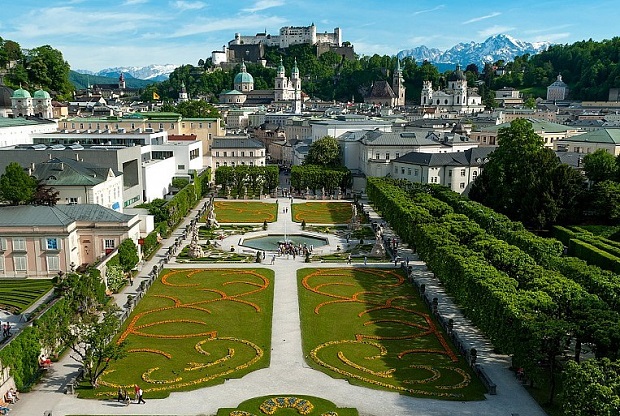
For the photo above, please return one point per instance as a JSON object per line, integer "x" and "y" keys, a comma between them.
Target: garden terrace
{"x": 17, "y": 295}
{"x": 245, "y": 212}
{"x": 322, "y": 212}
{"x": 194, "y": 328}
{"x": 369, "y": 327}
{"x": 287, "y": 404}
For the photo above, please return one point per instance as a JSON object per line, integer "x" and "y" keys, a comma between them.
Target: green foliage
{"x": 600, "y": 166}
{"x": 324, "y": 152}
{"x": 16, "y": 295}
{"x": 180, "y": 183}
{"x": 526, "y": 181}
{"x": 195, "y": 109}
{"x": 604, "y": 198}
{"x": 16, "y": 187}
{"x": 128, "y": 255}
{"x": 317, "y": 177}
{"x": 594, "y": 255}
{"x": 592, "y": 388}
{"x": 321, "y": 407}
{"x": 22, "y": 355}
{"x": 255, "y": 179}
{"x": 39, "y": 67}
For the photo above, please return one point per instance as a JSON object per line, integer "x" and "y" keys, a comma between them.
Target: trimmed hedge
{"x": 594, "y": 255}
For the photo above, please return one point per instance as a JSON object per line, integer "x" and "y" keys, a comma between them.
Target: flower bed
{"x": 368, "y": 326}
{"x": 244, "y": 212}
{"x": 322, "y": 212}
{"x": 207, "y": 325}
{"x": 299, "y": 405}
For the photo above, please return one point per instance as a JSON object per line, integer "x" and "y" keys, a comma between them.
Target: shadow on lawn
{"x": 382, "y": 335}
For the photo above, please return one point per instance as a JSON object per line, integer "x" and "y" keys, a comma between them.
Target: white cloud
{"x": 263, "y": 5}
{"x": 477, "y": 19}
{"x": 441, "y": 6}
{"x": 494, "y": 30}
{"x": 203, "y": 25}
{"x": 551, "y": 37}
{"x": 422, "y": 40}
{"x": 134, "y": 2}
{"x": 188, "y": 5}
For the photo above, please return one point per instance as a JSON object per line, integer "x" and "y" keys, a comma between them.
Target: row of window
{"x": 415, "y": 171}
{"x": 20, "y": 263}
{"x": 217, "y": 164}
{"x": 241, "y": 154}
{"x": 387, "y": 155}
{"x": 133, "y": 126}
{"x": 19, "y": 243}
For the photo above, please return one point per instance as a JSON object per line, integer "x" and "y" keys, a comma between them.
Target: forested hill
{"x": 590, "y": 69}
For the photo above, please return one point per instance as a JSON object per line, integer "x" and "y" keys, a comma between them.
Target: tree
{"x": 600, "y": 166}
{"x": 45, "y": 195}
{"x": 197, "y": 109}
{"x": 530, "y": 103}
{"x": 90, "y": 343}
{"x": 525, "y": 180}
{"x": 128, "y": 255}
{"x": 324, "y": 152}
{"x": 604, "y": 198}
{"x": 16, "y": 187}
{"x": 591, "y": 388}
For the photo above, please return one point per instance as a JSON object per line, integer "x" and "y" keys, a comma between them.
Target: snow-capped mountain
{"x": 493, "y": 49}
{"x": 152, "y": 72}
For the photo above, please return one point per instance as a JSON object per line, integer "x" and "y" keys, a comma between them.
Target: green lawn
{"x": 322, "y": 212}
{"x": 245, "y": 212}
{"x": 371, "y": 328}
{"x": 17, "y": 295}
{"x": 287, "y": 405}
{"x": 194, "y": 328}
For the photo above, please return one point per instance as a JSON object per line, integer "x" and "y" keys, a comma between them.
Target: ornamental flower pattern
{"x": 217, "y": 356}
{"x": 406, "y": 334}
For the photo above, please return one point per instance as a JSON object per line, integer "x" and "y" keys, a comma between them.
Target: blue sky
{"x": 100, "y": 34}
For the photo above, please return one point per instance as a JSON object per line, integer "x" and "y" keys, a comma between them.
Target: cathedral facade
{"x": 457, "y": 97}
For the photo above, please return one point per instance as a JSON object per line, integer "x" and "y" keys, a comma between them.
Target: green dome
{"x": 243, "y": 78}
{"x": 41, "y": 95}
{"x": 21, "y": 93}
{"x": 458, "y": 74}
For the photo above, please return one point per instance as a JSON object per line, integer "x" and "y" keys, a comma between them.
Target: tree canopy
{"x": 526, "y": 181}
{"x": 16, "y": 187}
{"x": 600, "y": 166}
{"x": 128, "y": 255}
{"x": 324, "y": 152}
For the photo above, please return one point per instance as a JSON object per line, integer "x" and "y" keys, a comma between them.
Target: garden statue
{"x": 379, "y": 249}
{"x": 211, "y": 221}
{"x": 195, "y": 251}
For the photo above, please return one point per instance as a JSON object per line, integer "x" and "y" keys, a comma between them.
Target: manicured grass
{"x": 371, "y": 328}
{"x": 322, "y": 212}
{"x": 17, "y": 295}
{"x": 601, "y": 230}
{"x": 245, "y": 212}
{"x": 287, "y": 404}
{"x": 194, "y": 328}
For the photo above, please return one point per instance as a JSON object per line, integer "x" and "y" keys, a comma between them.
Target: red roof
{"x": 180, "y": 137}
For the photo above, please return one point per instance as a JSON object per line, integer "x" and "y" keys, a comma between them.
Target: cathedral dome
{"x": 21, "y": 93}
{"x": 5, "y": 96}
{"x": 458, "y": 75}
{"x": 243, "y": 77}
{"x": 41, "y": 95}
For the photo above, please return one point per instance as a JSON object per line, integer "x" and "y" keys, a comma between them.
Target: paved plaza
{"x": 288, "y": 372}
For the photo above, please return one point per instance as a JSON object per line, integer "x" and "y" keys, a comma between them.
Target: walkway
{"x": 288, "y": 373}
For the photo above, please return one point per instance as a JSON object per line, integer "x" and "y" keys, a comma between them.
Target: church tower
{"x": 281, "y": 83}
{"x": 398, "y": 85}
{"x": 22, "y": 103}
{"x": 183, "y": 94}
{"x": 121, "y": 82}
{"x": 42, "y": 104}
{"x": 296, "y": 84}
{"x": 426, "y": 97}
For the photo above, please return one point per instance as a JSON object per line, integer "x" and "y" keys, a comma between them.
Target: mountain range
{"x": 496, "y": 47}
{"x": 153, "y": 72}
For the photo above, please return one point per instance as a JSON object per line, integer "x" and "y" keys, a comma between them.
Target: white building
{"x": 558, "y": 90}
{"x": 456, "y": 170}
{"x": 456, "y": 98}
{"x": 291, "y": 35}
{"x": 15, "y": 131}
{"x": 237, "y": 151}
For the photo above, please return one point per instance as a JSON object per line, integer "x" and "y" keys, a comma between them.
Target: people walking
{"x": 140, "y": 399}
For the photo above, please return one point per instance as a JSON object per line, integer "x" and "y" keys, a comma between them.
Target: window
{"x": 462, "y": 172}
{"x": 409, "y": 171}
{"x": 20, "y": 263}
{"x": 108, "y": 243}
{"x": 172, "y": 125}
{"x": 395, "y": 169}
{"x": 180, "y": 167}
{"x": 242, "y": 154}
{"x": 377, "y": 156}
{"x": 53, "y": 263}
{"x": 209, "y": 127}
{"x": 217, "y": 164}
{"x": 19, "y": 244}
{"x": 251, "y": 154}
{"x": 415, "y": 172}
{"x": 397, "y": 155}
{"x": 199, "y": 125}
{"x": 387, "y": 156}
{"x": 224, "y": 154}
{"x": 51, "y": 244}
{"x": 462, "y": 185}
{"x": 449, "y": 174}
{"x": 402, "y": 171}
{"x": 232, "y": 154}
{"x": 474, "y": 174}
{"x": 217, "y": 154}
{"x": 1, "y": 263}
{"x": 161, "y": 126}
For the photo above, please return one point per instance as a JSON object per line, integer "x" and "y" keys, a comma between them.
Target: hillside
{"x": 80, "y": 81}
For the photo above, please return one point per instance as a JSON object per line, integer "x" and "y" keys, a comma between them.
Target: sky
{"x": 95, "y": 35}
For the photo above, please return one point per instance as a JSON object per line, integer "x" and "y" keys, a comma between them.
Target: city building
{"x": 456, "y": 170}
{"x": 290, "y": 35}
{"x": 237, "y": 151}
{"x": 557, "y": 91}
{"x": 590, "y": 142}
{"x": 551, "y": 133}
{"x": 15, "y": 131}
{"x": 383, "y": 94}
{"x": 40, "y": 241}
